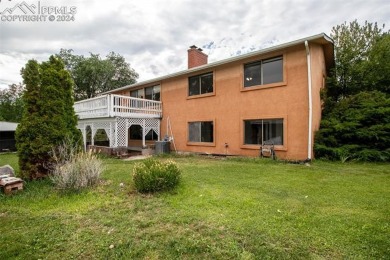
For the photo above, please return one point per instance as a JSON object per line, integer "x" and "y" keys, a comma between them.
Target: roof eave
{"x": 321, "y": 38}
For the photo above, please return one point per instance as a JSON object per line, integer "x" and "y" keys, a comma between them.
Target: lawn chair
{"x": 267, "y": 149}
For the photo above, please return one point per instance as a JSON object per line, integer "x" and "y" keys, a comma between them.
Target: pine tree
{"x": 48, "y": 118}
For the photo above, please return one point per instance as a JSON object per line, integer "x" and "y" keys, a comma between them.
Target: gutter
{"x": 309, "y": 90}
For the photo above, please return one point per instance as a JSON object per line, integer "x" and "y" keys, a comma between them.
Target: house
{"x": 7, "y": 136}
{"x": 232, "y": 107}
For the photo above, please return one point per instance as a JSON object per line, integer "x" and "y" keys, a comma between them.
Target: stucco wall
{"x": 318, "y": 83}
{"x": 230, "y": 104}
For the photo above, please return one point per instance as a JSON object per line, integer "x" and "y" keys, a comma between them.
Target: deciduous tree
{"x": 353, "y": 44}
{"x": 356, "y": 115}
{"x": 11, "y": 103}
{"x": 93, "y": 75}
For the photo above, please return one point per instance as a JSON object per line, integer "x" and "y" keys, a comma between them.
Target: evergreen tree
{"x": 48, "y": 118}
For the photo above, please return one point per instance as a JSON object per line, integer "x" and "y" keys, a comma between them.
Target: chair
{"x": 267, "y": 149}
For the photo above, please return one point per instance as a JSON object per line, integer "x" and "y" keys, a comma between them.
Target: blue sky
{"x": 154, "y": 35}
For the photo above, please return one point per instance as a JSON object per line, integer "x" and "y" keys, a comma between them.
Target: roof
{"x": 7, "y": 126}
{"x": 321, "y": 38}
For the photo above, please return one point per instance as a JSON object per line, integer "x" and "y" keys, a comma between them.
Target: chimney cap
{"x": 193, "y": 47}
{"x": 200, "y": 49}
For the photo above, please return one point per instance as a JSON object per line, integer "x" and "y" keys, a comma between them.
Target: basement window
{"x": 201, "y": 132}
{"x": 200, "y": 84}
{"x": 263, "y": 72}
{"x": 262, "y": 131}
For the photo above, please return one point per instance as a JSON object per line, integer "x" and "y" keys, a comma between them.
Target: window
{"x": 263, "y": 130}
{"x": 153, "y": 93}
{"x": 263, "y": 72}
{"x": 201, "y": 132}
{"x": 135, "y": 133}
{"x": 139, "y": 93}
{"x": 200, "y": 84}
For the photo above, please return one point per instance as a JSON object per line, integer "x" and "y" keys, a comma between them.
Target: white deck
{"x": 118, "y": 106}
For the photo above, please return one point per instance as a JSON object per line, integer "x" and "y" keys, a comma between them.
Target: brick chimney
{"x": 196, "y": 57}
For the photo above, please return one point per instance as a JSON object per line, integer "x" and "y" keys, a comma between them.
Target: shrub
{"x": 74, "y": 169}
{"x": 356, "y": 129}
{"x": 152, "y": 175}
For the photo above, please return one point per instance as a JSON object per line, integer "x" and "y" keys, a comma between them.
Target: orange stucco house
{"x": 232, "y": 107}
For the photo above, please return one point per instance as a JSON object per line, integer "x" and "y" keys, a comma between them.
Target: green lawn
{"x": 223, "y": 209}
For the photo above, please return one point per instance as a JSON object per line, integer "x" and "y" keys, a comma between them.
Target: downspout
{"x": 309, "y": 141}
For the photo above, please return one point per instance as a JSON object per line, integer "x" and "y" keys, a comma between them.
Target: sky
{"x": 154, "y": 36}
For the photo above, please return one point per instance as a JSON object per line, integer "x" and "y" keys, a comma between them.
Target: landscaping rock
{"x": 7, "y": 170}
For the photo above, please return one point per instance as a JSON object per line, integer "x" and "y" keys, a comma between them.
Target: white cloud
{"x": 154, "y": 35}
{"x": 11, "y": 64}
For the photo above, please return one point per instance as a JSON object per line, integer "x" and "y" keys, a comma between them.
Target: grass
{"x": 223, "y": 209}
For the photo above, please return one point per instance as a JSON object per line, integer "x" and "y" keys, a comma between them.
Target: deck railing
{"x": 117, "y": 105}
